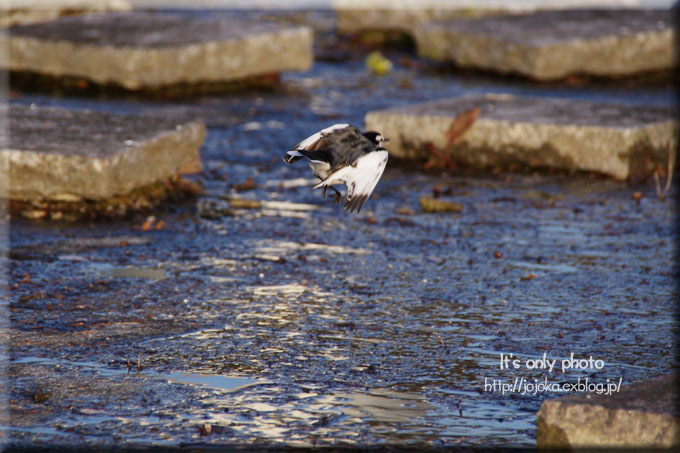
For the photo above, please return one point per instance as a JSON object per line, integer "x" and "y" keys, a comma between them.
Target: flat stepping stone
{"x": 640, "y": 415}
{"x": 408, "y": 15}
{"x": 623, "y": 141}
{"x": 31, "y": 11}
{"x": 549, "y": 45}
{"x": 353, "y": 17}
{"x": 71, "y": 155}
{"x": 138, "y": 50}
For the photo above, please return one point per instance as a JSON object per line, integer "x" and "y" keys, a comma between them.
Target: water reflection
{"x": 382, "y": 405}
{"x": 219, "y": 382}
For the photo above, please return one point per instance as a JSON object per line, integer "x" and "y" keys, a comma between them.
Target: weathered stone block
{"x": 553, "y": 44}
{"x": 69, "y": 155}
{"x": 406, "y": 20}
{"x": 145, "y": 50}
{"x": 31, "y": 11}
{"x": 409, "y": 15}
{"x": 642, "y": 415}
{"x": 623, "y": 141}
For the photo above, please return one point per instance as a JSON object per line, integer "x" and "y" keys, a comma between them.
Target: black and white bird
{"x": 343, "y": 154}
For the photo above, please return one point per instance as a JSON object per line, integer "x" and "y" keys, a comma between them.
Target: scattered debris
{"x": 378, "y": 64}
{"x": 148, "y": 223}
{"x": 400, "y": 221}
{"x": 214, "y": 209}
{"x": 638, "y": 196}
{"x": 433, "y": 205}
{"x": 249, "y": 184}
{"x": 41, "y": 396}
{"x": 205, "y": 429}
{"x": 34, "y": 214}
{"x": 440, "y": 190}
{"x": 670, "y": 168}
{"x": 405, "y": 210}
{"x": 242, "y": 203}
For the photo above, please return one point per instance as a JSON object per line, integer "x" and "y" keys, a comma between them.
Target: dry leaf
{"x": 191, "y": 167}
{"x": 148, "y": 223}
{"x": 458, "y": 127}
{"x": 462, "y": 124}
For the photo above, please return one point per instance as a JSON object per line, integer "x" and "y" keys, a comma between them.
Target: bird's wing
{"x": 361, "y": 178}
{"x": 311, "y": 143}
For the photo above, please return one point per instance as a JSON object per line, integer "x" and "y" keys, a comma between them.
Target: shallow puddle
{"x": 218, "y": 382}
{"x": 135, "y": 272}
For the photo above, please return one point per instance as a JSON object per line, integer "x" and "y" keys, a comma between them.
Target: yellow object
{"x": 377, "y": 64}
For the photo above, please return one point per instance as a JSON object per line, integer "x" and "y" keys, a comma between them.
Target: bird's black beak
{"x": 385, "y": 139}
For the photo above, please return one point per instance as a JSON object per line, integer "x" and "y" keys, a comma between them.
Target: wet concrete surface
{"x": 74, "y": 154}
{"x": 617, "y": 140}
{"x": 293, "y": 324}
{"x": 546, "y": 45}
{"x": 140, "y": 29}
{"x": 644, "y": 413}
{"x": 149, "y": 51}
{"x": 28, "y": 12}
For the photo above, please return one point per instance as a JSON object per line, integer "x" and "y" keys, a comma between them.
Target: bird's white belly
{"x": 320, "y": 169}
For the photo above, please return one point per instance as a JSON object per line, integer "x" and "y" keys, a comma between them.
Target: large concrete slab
{"x": 409, "y": 15}
{"x": 549, "y": 45}
{"x": 354, "y": 18}
{"x": 69, "y": 155}
{"x": 31, "y": 11}
{"x": 623, "y": 141}
{"x": 151, "y": 50}
{"x": 644, "y": 414}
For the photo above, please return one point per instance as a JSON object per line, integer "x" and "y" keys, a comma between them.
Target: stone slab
{"x": 31, "y": 11}
{"x": 151, "y": 50}
{"x": 548, "y": 45}
{"x": 409, "y": 15}
{"x": 386, "y": 19}
{"x": 619, "y": 140}
{"x": 643, "y": 414}
{"x": 69, "y": 155}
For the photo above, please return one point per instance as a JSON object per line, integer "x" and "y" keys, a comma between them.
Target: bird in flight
{"x": 343, "y": 154}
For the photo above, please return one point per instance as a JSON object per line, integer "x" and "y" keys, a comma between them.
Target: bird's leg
{"x": 337, "y": 194}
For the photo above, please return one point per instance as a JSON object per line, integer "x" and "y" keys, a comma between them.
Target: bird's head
{"x": 376, "y": 137}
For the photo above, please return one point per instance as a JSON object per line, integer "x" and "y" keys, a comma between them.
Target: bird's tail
{"x": 292, "y": 156}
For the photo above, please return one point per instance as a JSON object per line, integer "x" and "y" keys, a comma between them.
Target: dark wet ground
{"x": 298, "y": 324}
